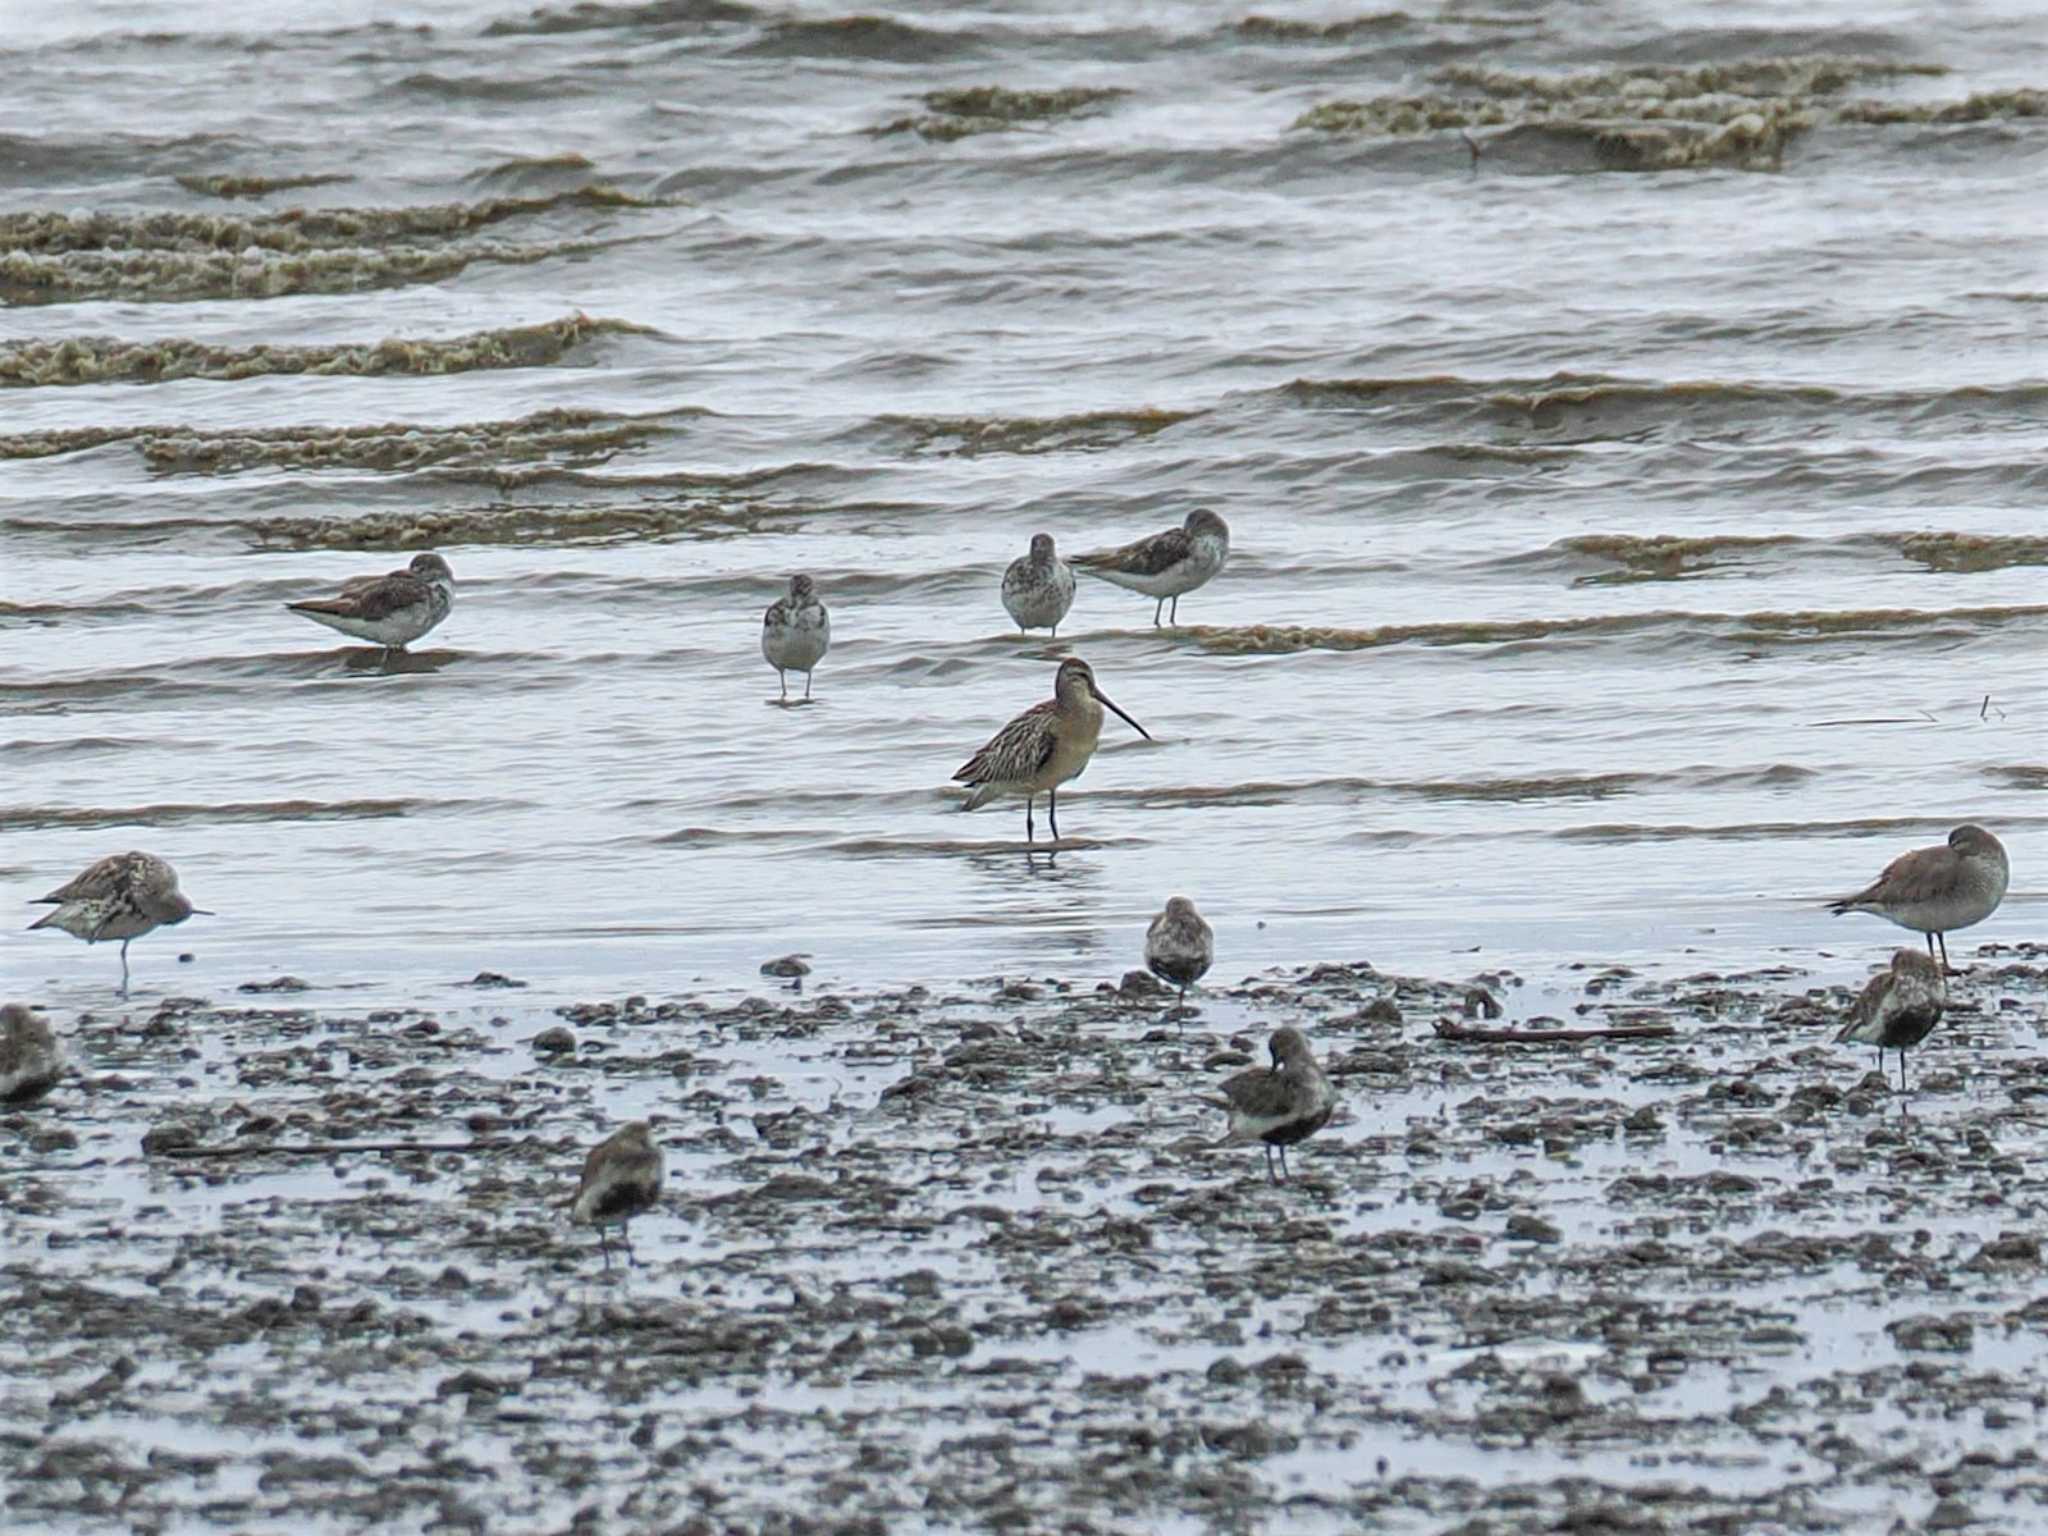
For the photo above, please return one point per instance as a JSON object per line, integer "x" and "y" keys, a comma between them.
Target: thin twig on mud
{"x": 1451, "y": 1029}
{"x": 330, "y": 1148}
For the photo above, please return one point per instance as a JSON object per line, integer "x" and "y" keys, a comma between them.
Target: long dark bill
{"x": 1108, "y": 703}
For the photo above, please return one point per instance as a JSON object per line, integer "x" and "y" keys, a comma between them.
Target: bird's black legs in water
{"x": 1942, "y": 940}
{"x": 626, "y": 1237}
{"x": 1269, "y": 1165}
{"x": 807, "y": 685}
{"x": 604, "y": 1245}
{"x": 124, "y": 967}
{"x": 1285, "y": 1172}
{"x": 784, "y": 678}
{"x": 1052, "y": 812}
{"x": 1157, "y": 609}
{"x": 1174, "y": 616}
{"x": 1029, "y": 835}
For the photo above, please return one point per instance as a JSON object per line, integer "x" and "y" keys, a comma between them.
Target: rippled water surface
{"x": 1632, "y": 422}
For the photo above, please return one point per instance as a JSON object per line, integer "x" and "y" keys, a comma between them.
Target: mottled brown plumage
{"x": 1050, "y": 743}
{"x": 391, "y": 610}
{"x": 1898, "y": 1007}
{"x": 30, "y": 1059}
{"x": 1280, "y": 1105}
{"x": 123, "y": 896}
{"x": 621, "y": 1178}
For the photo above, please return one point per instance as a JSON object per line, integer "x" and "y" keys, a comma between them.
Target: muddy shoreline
{"x": 969, "y": 1258}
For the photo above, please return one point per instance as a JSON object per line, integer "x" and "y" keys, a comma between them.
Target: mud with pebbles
{"x": 973, "y": 1259}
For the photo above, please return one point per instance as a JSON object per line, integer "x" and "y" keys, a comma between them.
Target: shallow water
{"x": 1624, "y": 559}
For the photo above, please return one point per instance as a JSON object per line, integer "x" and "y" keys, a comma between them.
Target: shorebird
{"x": 621, "y": 1178}
{"x": 796, "y": 632}
{"x": 1166, "y": 564}
{"x": 1179, "y": 947}
{"x": 1038, "y": 588}
{"x": 1937, "y": 890}
{"x": 1280, "y": 1105}
{"x": 391, "y": 610}
{"x": 1898, "y": 1008}
{"x": 1044, "y": 747}
{"x": 123, "y": 896}
{"x": 30, "y": 1060}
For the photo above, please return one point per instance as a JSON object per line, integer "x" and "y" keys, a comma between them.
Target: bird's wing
{"x": 105, "y": 878}
{"x": 1017, "y": 751}
{"x": 1147, "y": 557}
{"x": 372, "y": 597}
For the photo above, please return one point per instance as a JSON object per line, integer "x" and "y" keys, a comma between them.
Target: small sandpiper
{"x": 1044, "y": 747}
{"x": 1166, "y": 564}
{"x": 123, "y": 896}
{"x": 1280, "y": 1105}
{"x": 1180, "y": 948}
{"x": 30, "y": 1058}
{"x": 1938, "y": 890}
{"x": 1038, "y": 588}
{"x": 391, "y": 610}
{"x": 1898, "y": 1008}
{"x": 621, "y": 1179}
{"x": 796, "y": 632}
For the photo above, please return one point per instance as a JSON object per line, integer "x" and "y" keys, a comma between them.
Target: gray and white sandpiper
{"x": 1938, "y": 890}
{"x": 123, "y": 896}
{"x": 1180, "y": 947}
{"x": 1168, "y": 564}
{"x": 1899, "y": 1007}
{"x": 1038, "y": 588}
{"x": 1280, "y": 1105}
{"x": 391, "y": 610}
{"x": 1044, "y": 747}
{"x": 796, "y": 632}
{"x": 621, "y": 1179}
{"x": 30, "y": 1059}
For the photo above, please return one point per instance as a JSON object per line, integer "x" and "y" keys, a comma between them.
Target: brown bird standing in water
{"x": 1899, "y": 1008}
{"x": 621, "y": 1178}
{"x": 1280, "y": 1105}
{"x": 1936, "y": 890}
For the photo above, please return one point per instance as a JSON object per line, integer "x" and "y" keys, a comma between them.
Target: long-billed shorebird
{"x": 1168, "y": 564}
{"x": 1899, "y": 1008}
{"x": 391, "y": 610}
{"x": 1180, "y": 947}
{"x": 621, "y": 1179}
{"x": 1038, "y": 588}
{"x": 1282, "y": 1104}
{"x": 796, "y": 632}
{"x": 1044, "y": 747}
{"x": 30, "y": 1059}
{"x": 123, "y": 896}
{"x": 1938, "y": 890}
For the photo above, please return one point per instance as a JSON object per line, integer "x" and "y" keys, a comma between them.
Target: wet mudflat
{"x": 970, "y": 1259}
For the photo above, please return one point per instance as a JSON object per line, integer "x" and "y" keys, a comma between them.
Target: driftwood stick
{"x": 331, "y": 1148}
{"x": 1451, "y": 1029}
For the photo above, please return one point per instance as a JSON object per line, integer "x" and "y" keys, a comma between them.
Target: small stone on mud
{"x": 553, "y": 1041}
{"x": 789, "y": 967}
{"x": 1950, "y": 1515}
{"x": 163, "y": 1138}
{"x": 1141, "y": 984}
{"x": 280, "y": 984}
{"x": 1532, "y": 1229}
{"x": 491, "y": 979}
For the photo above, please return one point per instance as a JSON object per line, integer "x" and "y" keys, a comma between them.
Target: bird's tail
{"x": 1842, "y": 904}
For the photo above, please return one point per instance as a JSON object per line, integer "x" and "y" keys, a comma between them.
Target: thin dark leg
{"x": 1180, "y": 1014}
{"x": 1902, "y": 1069}
{"x": 1285, "y": 1171}
{"x": 1157, "y": 609}
{"x": 784, "y": 679}
{"x": 626, "y": 1237}
{"x": 604, "y": 1246}
{"x": 1942, "y": 940}
{"x": 1174, "y": 616}
{"x": 807, "y": 685}
{"x": 1052, "y": 812}
{"x": 1029, "y": 835}
{"x": 124, "y": 967}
